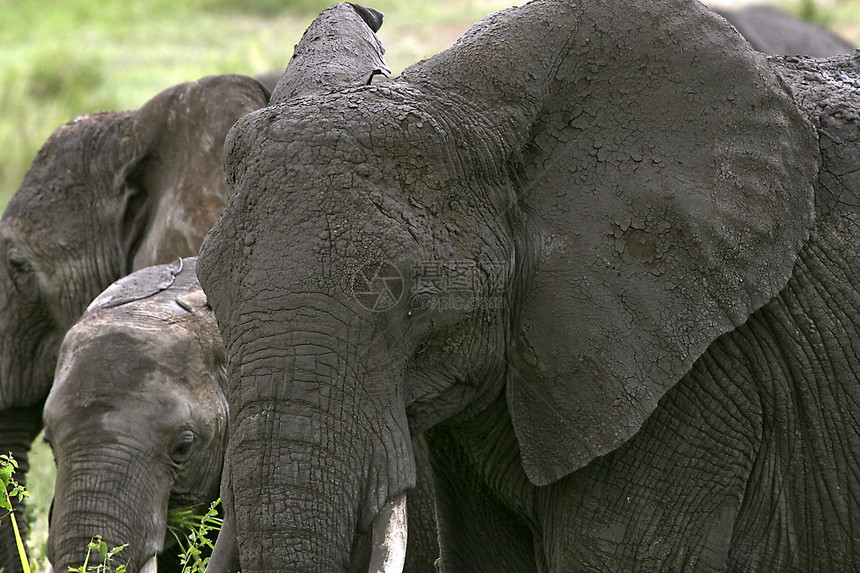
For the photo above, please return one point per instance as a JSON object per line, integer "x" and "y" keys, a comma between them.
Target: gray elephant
{"x": 107, "y": 194}
{"x": 597, "y": 251}
{"x": 136, "y": 418}
{"x": 773, "y": 31}
{"x": 137, "y": 421}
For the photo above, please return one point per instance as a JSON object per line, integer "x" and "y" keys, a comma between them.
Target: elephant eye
{"x": 423, "y": 298}
{"x": 182, "y": 447}
{"x": 16, "y": 258}
{"x": 19, "y": 270}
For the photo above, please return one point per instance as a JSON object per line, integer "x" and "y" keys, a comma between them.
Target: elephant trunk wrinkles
{"x": 319, "y": 443}
{"x": 87, "y": 503}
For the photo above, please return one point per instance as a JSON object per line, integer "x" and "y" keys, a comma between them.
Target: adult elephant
{"x": 107, "y": 194}
{"x": 594, "y": 250}
{"x": 136, "y": 418}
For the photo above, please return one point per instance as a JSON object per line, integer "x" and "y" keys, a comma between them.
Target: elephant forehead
{"x": 121, "y": 378}
{"x": 383, "y": 127}
{"x": 127, "y": 354}
{"x": 77, "y": 158}
{"x": 390, "y": 146}
{"x": 359, "y": 177}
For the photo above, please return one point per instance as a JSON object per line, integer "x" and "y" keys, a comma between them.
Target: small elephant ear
{"x": 666, "y": 184}
{"x": 177, "y": 181}
{"x": 180, "y": 275}
{"x": 338, "y": 50}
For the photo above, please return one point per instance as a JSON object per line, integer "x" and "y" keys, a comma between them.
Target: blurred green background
{"x": 63, "y": 58}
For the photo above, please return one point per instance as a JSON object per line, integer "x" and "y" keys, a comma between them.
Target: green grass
{"x": 60, "y": 59}
{"x": 841, "y": 15}
{"x": 63, "y": 58}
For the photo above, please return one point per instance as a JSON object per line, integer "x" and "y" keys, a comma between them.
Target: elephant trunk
{"x": 89, "y": 501}
{"x": 319, "y": 444}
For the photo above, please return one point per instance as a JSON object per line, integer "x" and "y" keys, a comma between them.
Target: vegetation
{"x": 841, "y": 15}
{"x": 191, "y": 530}
{"x": 12, "y": 490}
{"x": 107, "y": 558}
{"x": 63, "y": 58}
{"x": 60, "y": 59}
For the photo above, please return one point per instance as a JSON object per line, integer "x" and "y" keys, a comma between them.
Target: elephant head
{"x": 558, "y": 214}
{"x": 107, "y": 194}
{"x": 137, "y": 416}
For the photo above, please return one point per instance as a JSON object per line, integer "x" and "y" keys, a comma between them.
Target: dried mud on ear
{"x": 598, "y": 111}
{"x": 827, "y": 90}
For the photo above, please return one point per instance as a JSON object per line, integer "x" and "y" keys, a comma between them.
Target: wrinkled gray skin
{"x": 773, "y": 31}
{"x": 107, "y": 194}
{"x": 618, "y": 254}
{"x": 137, "y": 416}
{"x": 137, "y": 421}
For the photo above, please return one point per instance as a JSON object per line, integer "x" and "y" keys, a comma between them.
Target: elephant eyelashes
{"x": 183, "y": 447}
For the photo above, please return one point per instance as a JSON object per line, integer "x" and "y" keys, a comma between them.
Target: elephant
{"x": 137, "y": 421}
{"x": 602, "y": 255}
{"x": 107, "y": 194}
{"x": 773, "y": 31}
{"x": 136, "y": 417}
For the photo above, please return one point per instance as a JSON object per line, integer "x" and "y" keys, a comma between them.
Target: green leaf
{"x": 102, "y": 548}
{"x": 194, "y": 530}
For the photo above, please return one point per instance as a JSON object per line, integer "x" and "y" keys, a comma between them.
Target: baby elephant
{"x": 136, "y": 418}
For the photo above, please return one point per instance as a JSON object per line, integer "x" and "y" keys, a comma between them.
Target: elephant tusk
{"x": 49, "y": 568}
{"x": 389, "y": 538}
{"x": 150, "y": 566}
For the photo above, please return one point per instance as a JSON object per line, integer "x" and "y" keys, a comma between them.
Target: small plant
{"x": 107, "y": 555}
{"x": 191, "y": 531}
{"x": 12, "y": 489}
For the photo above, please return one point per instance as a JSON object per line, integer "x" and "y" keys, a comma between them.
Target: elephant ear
{"x": 179, "y": 275}
{"x": 175, "y": 184}
{"x": 338, "y": 50}
{"x": 665, "y": 180}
